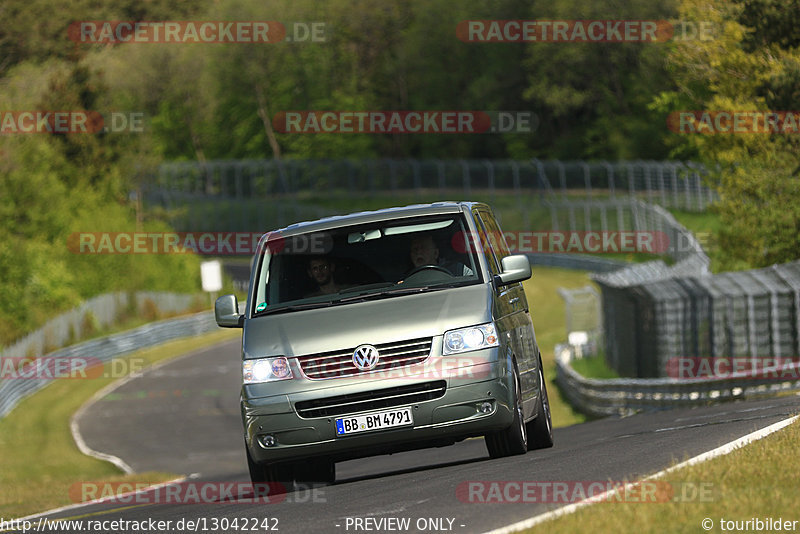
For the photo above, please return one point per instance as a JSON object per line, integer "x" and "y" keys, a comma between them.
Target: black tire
{"x": 514, "y": 439}
{"x": 270, "y": 479}
{"x": 540, "y": 430}
{"x": 314, "y": 472}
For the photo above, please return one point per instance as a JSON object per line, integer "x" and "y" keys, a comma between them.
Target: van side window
{"x": 495, "y": 236}
{"x": 486, "y": 246}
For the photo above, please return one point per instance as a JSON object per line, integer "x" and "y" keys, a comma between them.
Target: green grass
{"x": 759, "y": 480}
{"x": 705, "y": 226}
{"x": 594, "y": 367}
{"x": 549, "y": 320}
{"x": 698, "y": 222}
{"x": 39, "y": 461}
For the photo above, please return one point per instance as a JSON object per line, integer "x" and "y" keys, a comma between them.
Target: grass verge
{"x": 39, "y": 460}
{"x": 594, "y": 367}
{"x": 755, "y": 481}
{"x": 705, "y": 226}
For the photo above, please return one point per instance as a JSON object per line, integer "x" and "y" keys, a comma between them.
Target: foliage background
{"x": 209, "y": 101}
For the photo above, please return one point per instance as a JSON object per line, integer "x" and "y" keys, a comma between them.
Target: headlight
{"x": 467, "y": 339}
{"x": 266, "y": 370}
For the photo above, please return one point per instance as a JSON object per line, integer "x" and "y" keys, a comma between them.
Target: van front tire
{"x": 274, "y": 479}
{"x": 514, "y": 439}
{"x": 540, "y": 430}
{"x": 313, "y": 472}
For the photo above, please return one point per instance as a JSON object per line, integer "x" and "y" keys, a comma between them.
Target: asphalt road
{"x": 184, "y": 418}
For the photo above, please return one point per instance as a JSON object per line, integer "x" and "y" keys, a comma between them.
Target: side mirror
{"x": 516, "y": 268}
{"x": 226, "y": 311}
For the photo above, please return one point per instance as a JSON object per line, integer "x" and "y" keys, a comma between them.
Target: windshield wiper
{"x": 366, "y": 287}
{"x": 387, "y": 293}
{"x": 451, "y": 285}
{"x": 294, "y": 307}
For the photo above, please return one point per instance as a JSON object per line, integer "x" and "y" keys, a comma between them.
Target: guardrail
{"x": 581, "y": 262}
{"x": 99, "y": 312}
{"x": 626, "y": 396}
{"x": 12, "y": 391}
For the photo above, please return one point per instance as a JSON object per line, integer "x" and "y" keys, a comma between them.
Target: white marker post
{"x": 211, "y": 277}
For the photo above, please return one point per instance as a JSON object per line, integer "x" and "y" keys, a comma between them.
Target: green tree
{"x": 595, "y": 97}
{"x": 750, "y": 64}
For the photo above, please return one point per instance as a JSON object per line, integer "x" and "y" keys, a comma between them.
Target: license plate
{"x": 373, "y": 421}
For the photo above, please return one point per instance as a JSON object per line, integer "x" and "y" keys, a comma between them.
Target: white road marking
{"x": 719, "y": 451}
{"x": 98, "y": 501}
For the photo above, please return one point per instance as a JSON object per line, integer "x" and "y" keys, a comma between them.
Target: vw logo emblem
{"x": 365, "y": 357}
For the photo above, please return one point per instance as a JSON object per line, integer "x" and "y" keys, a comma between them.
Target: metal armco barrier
{"x": 12, "y": 391}
{"x": 100, "y": 311}
{"x": 581, "y": 262}
{"x": 626, "y": 396}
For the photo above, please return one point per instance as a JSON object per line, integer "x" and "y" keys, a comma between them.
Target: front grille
{"x": 339, "y": 363}
{"x": 371, "y": 400}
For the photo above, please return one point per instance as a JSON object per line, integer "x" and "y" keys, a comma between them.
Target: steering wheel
{"x": 423, "y": 267}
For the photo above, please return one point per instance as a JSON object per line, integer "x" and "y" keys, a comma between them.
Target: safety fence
{"x": 629, "y": 215}
{"x": 260, "y": 195}
{"x": 583, "y": 312}
{"x": 747, "y": 314}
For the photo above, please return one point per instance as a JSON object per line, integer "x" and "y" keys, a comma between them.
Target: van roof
{"x": 413, "y": 210}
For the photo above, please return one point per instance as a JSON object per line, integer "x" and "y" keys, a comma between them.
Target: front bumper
{"x": 444, "y": 420}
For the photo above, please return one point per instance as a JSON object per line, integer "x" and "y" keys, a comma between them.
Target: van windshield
{"x": 362, "y": 262}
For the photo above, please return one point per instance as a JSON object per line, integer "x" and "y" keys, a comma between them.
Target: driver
{"x": 424, "y": 251}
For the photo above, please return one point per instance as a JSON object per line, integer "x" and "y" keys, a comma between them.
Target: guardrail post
{"x": 490, "y": 170}
{"x": 466, "y": 178}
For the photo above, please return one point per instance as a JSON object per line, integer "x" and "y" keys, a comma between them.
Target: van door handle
{"x": 514, "y": 300}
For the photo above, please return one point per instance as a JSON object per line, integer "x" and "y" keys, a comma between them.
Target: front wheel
{"x": 540, "y": 430}
{"x": 514, "y": 439}
{"x": 269, "y": 479}
{"x": 314, "y": 471}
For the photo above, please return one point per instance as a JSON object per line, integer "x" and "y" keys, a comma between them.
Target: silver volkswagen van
{"x": 386, "y": 331}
